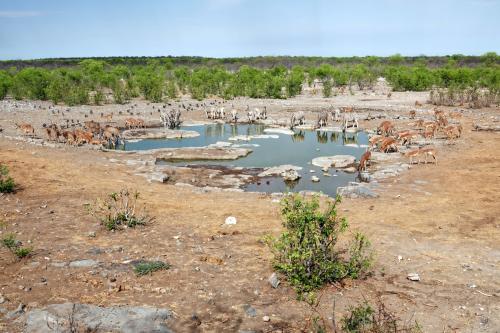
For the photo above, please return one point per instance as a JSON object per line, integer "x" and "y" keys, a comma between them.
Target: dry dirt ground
{"x": 442, "y": 220}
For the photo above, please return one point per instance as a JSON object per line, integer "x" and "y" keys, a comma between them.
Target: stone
{"x": 91, "y": 318}
{"x": 15, "y": 313}
{"x": 314, "y": 179}
{"x": 290, "y": 175}
{"x": 355, "y": 190}
{"x": 350, "y": 170}
{"x": 266, "y": 318}
{"x": 230, "y": 220}
{"x": 83, "y": 263}
{"x": 274, "y": 281}
{"x": 336, "y": 161}
{"x": 158, "y": 177}
{"x": 279, "y": 170}
{"x": 413, "y": 277}
{"x": 91, "y": 234}
{"x": 250, "y": 311}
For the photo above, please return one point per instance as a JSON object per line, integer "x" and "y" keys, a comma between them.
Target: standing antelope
{"x": 363, "y": 161}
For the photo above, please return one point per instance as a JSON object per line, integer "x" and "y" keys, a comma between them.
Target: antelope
{"x": 26, "y": 128}
{"x": 52, "y": 133}
{"x": 83, "y": 136}
{"x": 92, "y": 126}
{"x": 69, "y": 136}
{"x": 374, "y": 140}
{"x": 417, "y": 103}
{"x": 107, "y": 117}
{"x": 234, "y": 115}
{"x": 407, "y": 138}
{"x": 453, "y": 131}
{"x": 386, "y": 127}
{"x": 387, "y": 144}
{"x": 364, "y": 160}
{"x": 412, "y": 114}
{"x": 413, "y": 153}
{"x": 429, "y": 152}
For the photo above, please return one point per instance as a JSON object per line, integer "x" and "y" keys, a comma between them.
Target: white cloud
{"x": 18, "y": 13}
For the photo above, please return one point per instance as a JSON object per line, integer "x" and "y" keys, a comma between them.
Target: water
{"x": 298, "y": 149}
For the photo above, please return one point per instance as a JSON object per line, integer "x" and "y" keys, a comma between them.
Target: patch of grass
{"x": 307, "y": 254}
{"x": 148, "y": 267}
{"x": 119, "y": 210}
{"x": 15, "y": 247}
{"x": 23, "y": 252}
{"x": 7, "y": 184}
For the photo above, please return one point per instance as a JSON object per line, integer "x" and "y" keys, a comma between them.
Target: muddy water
{"x": 298, "y": 149}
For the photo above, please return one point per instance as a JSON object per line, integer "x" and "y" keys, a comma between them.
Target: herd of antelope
{"x": 388, "y": 139}
{"x": 92, "y": 132}
{"x": 219, "y": 112}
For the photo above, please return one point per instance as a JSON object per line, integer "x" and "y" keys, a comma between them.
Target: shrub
{"x": 306, "y": 252}
{"x": 364, "y": 319}
{"x": 7, "y": 184}
{"x": 15, "y": 247}
{"x": 148, "y": 267}
{"x": 119, "y": 209}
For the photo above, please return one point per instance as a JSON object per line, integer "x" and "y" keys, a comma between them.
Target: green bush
{"x": 15, "y": 247}
{"x": 307, "y": 254}
{"x": 119, "y": 210}
{"x": 148, "y": 267}
{"x": 7, "y": 184}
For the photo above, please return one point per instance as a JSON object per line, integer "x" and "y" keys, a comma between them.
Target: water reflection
{"x": 334, "y": 137}
{"x": 298, "y": 136}
{"x": 350, "y": 138}
{"x": 322, "y": 137}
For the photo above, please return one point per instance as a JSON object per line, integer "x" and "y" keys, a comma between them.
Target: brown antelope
{"x": 428, "y": 134}
{"x": 92, "y": 126}
{"x": 412, "y": 154}
{"x": 83, "y": 136}
{"x": 386, "y": 127}
{"x": 107, "y": 117}
{"x": 52, "y": 133}
{"x": 387, "y": 144}
{"x": 363, "y": 161}
{"x": 374, "y": 140}
{"x": 69, "y": 136}
{"x": 441, "y": 120}
{"x": 407, "y": 138}
{"x": 413, "y": 113}
{"x": 453, "y": 132}
{"x": 26, "y": 128}
{"x": 429, "y": 152}
{"x": 417, "y": 103}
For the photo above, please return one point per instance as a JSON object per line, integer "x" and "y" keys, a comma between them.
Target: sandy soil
{"x": 442, "y": 219}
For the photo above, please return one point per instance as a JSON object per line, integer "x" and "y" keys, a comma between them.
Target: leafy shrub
{"x": 148, "y": 267}
{"x": 15, "y": 246}
{"x": 7, "y": 184}
{"x": 306, "y": 252}
{"x": 119, "y": 209}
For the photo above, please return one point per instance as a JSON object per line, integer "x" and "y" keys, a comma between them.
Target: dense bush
{"x": 157, "y": 79}
{"x": 307, "y": 252}
{"x": 7, "y": 184}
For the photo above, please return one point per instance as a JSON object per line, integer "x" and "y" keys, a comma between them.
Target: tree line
{"x": 94, "y": 81}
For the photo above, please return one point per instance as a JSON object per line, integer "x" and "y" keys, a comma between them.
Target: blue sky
{"x": 224, "y": 28}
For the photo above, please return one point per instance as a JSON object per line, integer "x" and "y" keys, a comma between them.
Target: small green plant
{"x": 15, "y": 247}
{"x": 307, "y": 252}
{"x": 363, "y": 318}
{"x": 148, "y": 267}
{"x": 119, "y": 210}
{"x": 23, "y": 252}
{"x": 7, "y": 184}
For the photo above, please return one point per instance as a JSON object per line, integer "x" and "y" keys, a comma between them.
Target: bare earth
{"x": 441, "y": 219}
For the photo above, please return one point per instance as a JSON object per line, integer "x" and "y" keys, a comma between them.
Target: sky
{"x": 31, "y": 29}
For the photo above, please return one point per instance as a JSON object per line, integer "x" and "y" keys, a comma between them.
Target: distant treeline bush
{"x": 157, "y": 79}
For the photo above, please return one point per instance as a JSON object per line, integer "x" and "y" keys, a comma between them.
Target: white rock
{"x": 230, "y": 220}
{"x": 337, "y": 161}
{"x": 266, "y": 318}
{"x": 279, "y": 131}
{"x": 413, "y": 277}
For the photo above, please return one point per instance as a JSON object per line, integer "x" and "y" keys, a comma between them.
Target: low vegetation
{"x": 16, "y": 247}
{"x": 84, "y": 81}
{"x": 120, "y": 210}
{"x": 7, "y": 184}
{"x": 149, "y": 267}
{"x": 308, "y": 253}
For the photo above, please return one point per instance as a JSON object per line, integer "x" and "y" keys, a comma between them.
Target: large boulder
{"x": 356, "y": 190}
{"x": 69, "y": 317}
{"x": 336, "y": 161}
